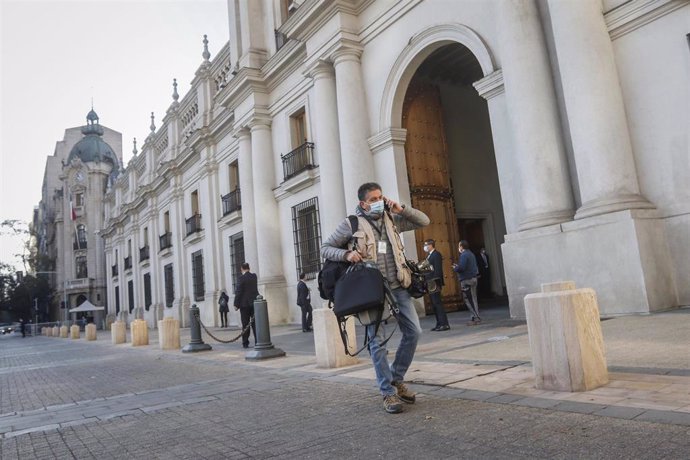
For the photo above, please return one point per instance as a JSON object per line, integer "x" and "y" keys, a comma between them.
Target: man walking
{"x": 244, "y": 301}
{"x": 304, "y": 302}
{"x": 378, "y": 241}
{"x": 466, "y": 268}
{"x": 436, "y": 261}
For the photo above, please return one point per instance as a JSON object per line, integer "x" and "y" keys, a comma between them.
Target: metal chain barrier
{"x": 251, "y": 321}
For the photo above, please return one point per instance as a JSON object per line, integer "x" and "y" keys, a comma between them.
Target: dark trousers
{"x": 246, "y": 315}
{"x": 439, "y": 311}
{"x": 223, "y": 319}
{"x": 306, "y": 317}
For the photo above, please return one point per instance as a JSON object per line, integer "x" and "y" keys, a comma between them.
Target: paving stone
{"x": 542, "y": 403}
{"x": 620, "y": 412}
{"x": 579, "y": 407}
{"x": 663, "y": 416}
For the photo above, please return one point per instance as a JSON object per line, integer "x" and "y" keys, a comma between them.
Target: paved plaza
{"x": 64, "y": 398}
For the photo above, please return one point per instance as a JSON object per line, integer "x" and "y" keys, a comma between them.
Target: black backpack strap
{"x": 354, "y": 223}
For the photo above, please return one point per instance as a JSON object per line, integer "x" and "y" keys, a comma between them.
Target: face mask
{"x": 376, "y": 209}
{"x": 426, "y": 248}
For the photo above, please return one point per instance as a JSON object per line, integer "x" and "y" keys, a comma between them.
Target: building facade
{"x": 553, "y": 133}
{"x": 70, "y": 215}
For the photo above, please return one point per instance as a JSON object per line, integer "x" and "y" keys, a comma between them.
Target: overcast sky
{"x": 56, "y": 55}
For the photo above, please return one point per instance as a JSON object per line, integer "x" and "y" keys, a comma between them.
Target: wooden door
{"x": 426, "y": 154}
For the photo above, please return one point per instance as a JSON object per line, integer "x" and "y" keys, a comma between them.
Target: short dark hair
{"x": 302, "y": 276}
{"x": 464, "y": 244}
{"x": 245, "y": 266}
{"x": 366, "y": 188}
{"x": 431, "y": 242}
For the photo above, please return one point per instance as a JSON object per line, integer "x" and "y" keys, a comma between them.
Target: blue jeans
{"x": 408, "y": 322}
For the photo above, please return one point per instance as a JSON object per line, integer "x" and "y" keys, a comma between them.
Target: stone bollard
{"x": 169, "y": 334}
{"x": 196, "y": 343}
{"x": 64, "y": 330}
{"x": 565, "y": 338}
{"x": 44, "y": 331}
{"x": 74, "y": 331}
{"x": 56, "y": 332}
{"x": 90, "y": 332}
{"x": 330, "y": 352}
{"x": 140, "y": 332}
{"x": 263, "y": 349}
{"x": 118, "y": 332}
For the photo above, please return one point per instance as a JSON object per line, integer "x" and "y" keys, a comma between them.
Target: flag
{"x": 73, "y": 212}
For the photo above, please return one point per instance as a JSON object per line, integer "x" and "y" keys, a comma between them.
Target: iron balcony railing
{"x": 143, "y": 253}
{"x": 231, "y": 202}
{"x": 193, "y": 224}
{"x": 300, "y": 159}
{"x": 114, "y": 268}
{"x": 128, "y": 263}
{"x": 165, "y": 240}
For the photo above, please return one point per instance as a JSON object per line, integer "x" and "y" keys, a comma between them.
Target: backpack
{"x": 332, "y": 271}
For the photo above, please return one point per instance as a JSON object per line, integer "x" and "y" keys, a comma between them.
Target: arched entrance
{"x": 449, "y": 153}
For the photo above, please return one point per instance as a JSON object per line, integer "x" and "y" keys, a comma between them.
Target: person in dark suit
{"x": 436, "y": 260}
{"x": 304, "y": 302}
{"x": 245, "y": 295}
{"x": 484, "y": 287}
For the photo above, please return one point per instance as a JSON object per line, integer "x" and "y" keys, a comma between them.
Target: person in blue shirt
{"x": 467, "y": 271}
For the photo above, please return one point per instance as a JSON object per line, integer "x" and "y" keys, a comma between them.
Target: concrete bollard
{"x": 74, "y": 331}
{"x": 263, "y": 349}
{"x": 196, "y": 343}
{"x": 56, "y": 332}
{"x": 169, "y": 334}
{"x": 566, "y": 340}
{"x": 118, "y": 332}
{"x": 140, "y": 332}
{"x": 330, "y": 352}
{"x": 90, "y": 332}
{"x": 64, "y": 331}
{"x": 44, "y": 331}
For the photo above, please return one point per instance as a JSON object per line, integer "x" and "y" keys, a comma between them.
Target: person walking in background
{"x": 467, "y": 271}
{"x": 223, "y": 308}
{"x": 245, "y": 295}
{"x": 304, "y": 302}
{"x": 22, "y": 327}
{"x": 484, "y": 274}
{"x": 436, "y": 260}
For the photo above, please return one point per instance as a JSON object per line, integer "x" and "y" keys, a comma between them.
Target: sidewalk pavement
{"x": 648, "y": 358}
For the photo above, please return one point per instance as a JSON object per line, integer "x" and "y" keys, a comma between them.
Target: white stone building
{"x": 70, "y": 215}
{"x": 552, "y": 132}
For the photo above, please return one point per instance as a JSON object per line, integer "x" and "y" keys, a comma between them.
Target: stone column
{"x": 327, "y": 142}
{"x": 353, "y": 122}
{"x": 596, "y": 114}
{"x": 269, "y": 268}
{"x": 247, "y": 197}
{"x": 533, "y": 116}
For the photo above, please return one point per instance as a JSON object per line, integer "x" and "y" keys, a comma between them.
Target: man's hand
{"x": 353, "y": 257}
{"x": 393, "y": 205}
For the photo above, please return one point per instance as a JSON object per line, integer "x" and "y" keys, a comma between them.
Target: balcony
{"x": 128, "y": 263}
{"x": 143, "y": 253}
{"x": 193, "y": 224}
{"x": 79, "y": 245}
{"x": 299, "y": 160}
{"x": 165, "y": 240}
{"x": 114, "y": 270}
{"x": 231, "y": 202}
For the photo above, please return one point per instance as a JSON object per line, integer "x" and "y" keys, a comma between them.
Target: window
{"x": 117, "y": 299}
{"x": 234, "y": 176}
{"x": 147, "y": 291}
{"x": 80, "y": 240}
{"x": 130, "y": 295}
{"x": 307, "y": 235}
{"x": 198, "y": 275}
{"x": 79, "y": 199}
{"x": 195, "y": 202}
{"x": 166, "y": 221}
{"x": 146, "y": 236}
{"x": 81, "y": 266}
{"x": 298, "y": 128}
{"x": 236, "y": 257}
{"x": 169, "y": 286}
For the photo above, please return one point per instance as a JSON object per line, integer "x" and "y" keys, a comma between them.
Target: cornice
{"x": 637, "y": 13}
{"x": 387, "y": 137}
{"x": 247, "y": 81}
{"x": 490, "y": 86}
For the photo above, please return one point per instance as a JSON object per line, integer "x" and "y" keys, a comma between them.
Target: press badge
{"x": 382, "y": 247}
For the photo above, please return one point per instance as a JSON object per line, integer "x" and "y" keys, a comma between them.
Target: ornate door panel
{"x": 426, "y": 154}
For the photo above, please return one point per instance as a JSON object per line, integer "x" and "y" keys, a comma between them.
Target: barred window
{"x": 198, "y": 275}
{"x": 130, "y": 294}
{"x": 147, "y": 291}
{"x": 236, "y": 257}
{"x": 307, "y": 234}
{"x": 169, "y": 286}
{"x": 117, "y": 299}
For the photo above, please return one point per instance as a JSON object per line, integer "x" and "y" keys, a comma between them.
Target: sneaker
{"x": 392, "y": 404}
{"x": 404, "y": 393}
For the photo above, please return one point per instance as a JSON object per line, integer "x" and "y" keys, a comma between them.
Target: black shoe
{"x": 435, "y": 329}
{"x": 245, "y": 345}
{"x": 443, "y": 328}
